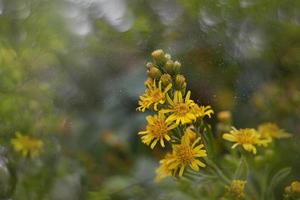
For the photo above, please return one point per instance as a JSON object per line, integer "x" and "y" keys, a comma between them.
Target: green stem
{"x": 199, "y": 174}
{"x": 218, "y": 171}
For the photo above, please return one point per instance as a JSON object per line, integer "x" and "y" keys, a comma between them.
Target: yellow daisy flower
{"x": 26, "y": 145}
{"x": 180, "y": 108}
{"x": 154, "y": 95}
{"x": 202, "y": 111}
{"x": 187, "y": 154}
{"x": 270, "y": 130}
{"x": 236, "y": 189}
{"x": 247, "y": 137}
{"x": 157, "y": 130}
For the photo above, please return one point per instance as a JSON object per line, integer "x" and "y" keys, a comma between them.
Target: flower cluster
{"x": 175, "y": 116}
{"x": 176, "y": 123}
{"x": 249, "y": 138}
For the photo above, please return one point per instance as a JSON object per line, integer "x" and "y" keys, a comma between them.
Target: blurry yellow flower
{"x": 153, "y": 95}
{"x": 224, "y": 116}
{"x": 293, "y": 188}
{"x": 27, "y": 146}
{"x": 202, "y": 111}
{"x": 187, "y": 153}
{"x": 164, "y": 170}
{"x": 247, "y": 137}
{"x": 271, "y": 130}
{"x": 180, "y": 108}
{"x": 236, "y": 189}
{"x": 157, "y": 130}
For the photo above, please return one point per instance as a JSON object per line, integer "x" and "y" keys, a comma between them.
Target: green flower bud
{"x": 168, "y": 56}
{"x": 166, "y": 79}
{"x": 180, "y": 82}
{"x": 149, "y": 65}
{"x": 154, "y": 73}
{"x": 177, "y": 66}
{"x": 169, "y": 66}
{"x": 158, "y": 55}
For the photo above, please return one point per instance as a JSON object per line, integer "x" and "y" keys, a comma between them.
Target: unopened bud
{"x": 224, "y": 116}
{"x": 154, "y": 73}
{"x": 177, "y": 66}
{"x": 179, "y": 82}
{"x": 149, "y": 65}
{"x": 168, "y": 56}
{"x": 158, "y": 55}
{"x": 166, "y": 79}
{"x": 169, "y": 66}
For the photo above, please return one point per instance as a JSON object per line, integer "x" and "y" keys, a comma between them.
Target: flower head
{"x": 157, "y": 130}
{"x": 26, "y": 145}
{"x": 153, "y": 96}
{"x": 270, "y": 130}
{"x": 247, "y": 137}
{"x": 164, "y": 170}
{"x": 180, "y": 108}
{"x": 236, "y": 189}
{"x": 187, "y": 154}
{"x": 202, "y": 111}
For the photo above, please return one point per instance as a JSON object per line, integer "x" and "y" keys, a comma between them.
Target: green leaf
{"x": 242, "y": 169}
{"x": 277, "y": 178}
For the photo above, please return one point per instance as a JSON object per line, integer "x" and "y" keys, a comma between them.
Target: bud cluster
{"x": 166, "y": 70}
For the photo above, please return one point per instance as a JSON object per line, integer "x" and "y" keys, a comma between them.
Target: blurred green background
{"x": 71, "y": 72}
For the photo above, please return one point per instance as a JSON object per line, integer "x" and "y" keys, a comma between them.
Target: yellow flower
{"x": 27, "y": 146}
{"x": 187, "y": 153}
{"x": 247, "y": 137}
{"x": 157, "y": 130}
{"x": 293, "y": 188}
{"x": 180, "y": 109}
{"x": 164, "y": 170}
{"x": 270, "y": 130}
{"x": 236, "y": 189}
{"x": 153, "y": 95}
{"x": 202, "y": 111}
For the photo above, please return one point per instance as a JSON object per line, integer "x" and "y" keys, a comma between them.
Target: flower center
{"x": 245, "y": 138}
{"x": 181, "y": 109}
{"x": 157, "y": 95}
{"x": 184, "y": 154}
{"x": 158, "y": 128}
